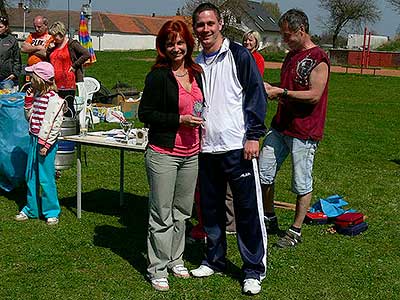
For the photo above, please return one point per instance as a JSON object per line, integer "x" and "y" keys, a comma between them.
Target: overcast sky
{"x": 387, "y": 26}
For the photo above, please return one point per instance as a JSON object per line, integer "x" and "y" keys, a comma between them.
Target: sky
{"x": 386, "y": 26}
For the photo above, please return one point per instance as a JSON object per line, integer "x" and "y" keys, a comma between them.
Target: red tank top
{"x": 301, "y": 120}
{"x": 61, "y": 61}
{"x": 259, "y": 61}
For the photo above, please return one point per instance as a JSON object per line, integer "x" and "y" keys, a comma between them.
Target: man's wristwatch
{"x": 285, "y": 93}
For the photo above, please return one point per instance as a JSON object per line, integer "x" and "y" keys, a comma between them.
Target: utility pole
{"x": 87, "y": 12}
{"x": 69, "y": 32}
{"x": 25, "y": 8}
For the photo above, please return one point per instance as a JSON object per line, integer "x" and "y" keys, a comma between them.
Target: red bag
{"x": 316, "y": 218}
{"x": 349, "y": 219}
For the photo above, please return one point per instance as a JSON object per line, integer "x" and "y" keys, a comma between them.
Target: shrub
{"x": 391, "y": 45}
{"x": 273, "y": 53}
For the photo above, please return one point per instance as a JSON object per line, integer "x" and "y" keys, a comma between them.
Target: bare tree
{"x": 10, "y": 3}
{"x": 30, "y": 3}
{"x": 344, "y": 13}
{"x": 273, "y": 9}
{"x": 396, "y": 4}
{"x": 3, "y": 11}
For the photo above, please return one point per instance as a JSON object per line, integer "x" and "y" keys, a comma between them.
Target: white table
{"x": 98, "y": 140}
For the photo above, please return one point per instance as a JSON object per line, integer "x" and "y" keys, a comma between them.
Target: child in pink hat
{"x": 44, "y": 110}
{"x": 44, "y": 70}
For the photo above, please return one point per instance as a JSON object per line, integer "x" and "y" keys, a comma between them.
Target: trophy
{"x": 126, "y": 127}
{"x": 141, "y": 136}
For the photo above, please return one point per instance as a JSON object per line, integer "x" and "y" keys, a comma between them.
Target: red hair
{"x": 170, "y": 31}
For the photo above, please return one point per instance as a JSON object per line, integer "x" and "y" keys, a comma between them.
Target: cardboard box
{"x": 129, "y": 108}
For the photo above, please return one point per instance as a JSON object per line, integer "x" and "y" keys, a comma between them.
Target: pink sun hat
{"x": 42, "y": 69}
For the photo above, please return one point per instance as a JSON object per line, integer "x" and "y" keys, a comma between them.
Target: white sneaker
{"x": 251, "y": 286}
{"x": 160, "y": 284}
{"x": 52, "y": 221}
{"x": 202, "y": 271}
{"x": 21, "y": 216}
{"x": 180, "y": 271}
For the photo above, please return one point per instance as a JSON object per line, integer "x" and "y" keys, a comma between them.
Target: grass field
{"x": 103, "y": 255}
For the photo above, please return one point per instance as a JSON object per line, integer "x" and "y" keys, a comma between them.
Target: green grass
{"x": 102, "y": 256}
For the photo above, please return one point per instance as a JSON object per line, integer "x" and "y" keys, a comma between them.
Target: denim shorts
{"x": 276, "y": 148}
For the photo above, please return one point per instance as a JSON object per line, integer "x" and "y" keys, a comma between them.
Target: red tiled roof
{"x": 101, "y": 22}
{"x": 137, "y": 24}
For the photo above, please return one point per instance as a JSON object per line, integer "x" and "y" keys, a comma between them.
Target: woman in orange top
{"x": 67, "y": 57}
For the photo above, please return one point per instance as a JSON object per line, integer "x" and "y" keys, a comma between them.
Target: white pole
{"x": 87, "y": 11}
{"x": 24, "y": 23}
{"x": 25, "y": 8}
{"x": 89, "y": 16}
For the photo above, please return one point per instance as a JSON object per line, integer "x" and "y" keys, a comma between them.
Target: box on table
{"x": 129, "y": 106}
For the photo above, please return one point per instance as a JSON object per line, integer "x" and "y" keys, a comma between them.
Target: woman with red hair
{"x": 171, "y": 106}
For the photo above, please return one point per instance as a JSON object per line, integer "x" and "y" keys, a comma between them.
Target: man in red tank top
{"x": 299, "y": 123}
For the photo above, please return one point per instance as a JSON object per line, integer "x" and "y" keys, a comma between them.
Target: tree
{"x": 326, "y": 39}
{"x": 273, "y": 9}
{"x": 344, "y": 13}
{"x": 395, "y": 4}
{"x": 3, "y": 11}
{"x": 31, "y": 3}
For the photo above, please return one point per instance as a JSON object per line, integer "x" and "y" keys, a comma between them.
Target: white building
{"x": 356, "y": 41}
{"x": 109, "y": 31}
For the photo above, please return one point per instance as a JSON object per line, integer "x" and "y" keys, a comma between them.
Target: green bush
{"x": 273, "y": 53}
{"x": 390, "y": 46}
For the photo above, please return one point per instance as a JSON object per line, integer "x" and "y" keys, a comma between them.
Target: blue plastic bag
{"x": 14, "y": 140}
{"x": 331, "y": 206}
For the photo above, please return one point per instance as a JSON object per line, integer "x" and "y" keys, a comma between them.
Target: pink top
{"x": 187, "y": 140}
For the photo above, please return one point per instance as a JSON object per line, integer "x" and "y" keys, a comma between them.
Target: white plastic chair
{"x": 86, "y": 90}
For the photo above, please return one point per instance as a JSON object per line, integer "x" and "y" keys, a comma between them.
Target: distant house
{"x": 243, "y": 16}
{"x": 109, "y": 31}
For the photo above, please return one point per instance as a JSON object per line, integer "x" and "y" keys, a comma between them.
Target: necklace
{"x": 181, "y": 75}
{"x": 210, "y": 58}
{"x": 208, "y": 62}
